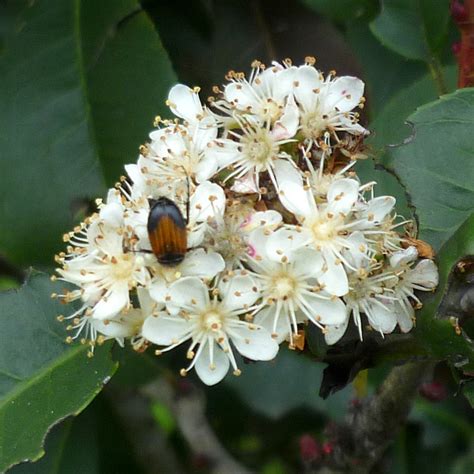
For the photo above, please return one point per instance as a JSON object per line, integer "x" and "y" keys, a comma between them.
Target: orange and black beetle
{"x": 167, "y": 231}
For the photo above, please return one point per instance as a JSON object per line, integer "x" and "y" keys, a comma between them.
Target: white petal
{"x": 307, "y": 80}
{"x": 242, "y": 96}
{"x": 112, "y": 214}
{"x": 326, "y": 311}
{"x": 212, "y": 373}
{"x": 380, "y": 318}
{"x": 342, "y": 195}
{"x": 307, "y": 262}
{"x": 287, "y": 126}
{"x": 224, "y": 151}
{"x": 196, "y": 235}
{"x": 404, "y": 257}
{"x": 206, "y": 168}
{"x": 291, "y": 189}
{"x": 357, "y": 254}
{"x": 256, "y": 343}
{"x": 268, "y": 219}
{"x": 207, "y": 201}
{"x": 189, "y": 292}
{"x": 282, "y": 244}
{"x": 159, "y": 290}
{"x": 332, "y": 333}
{"x": 170, "y": 143}
{"x": 147, "y": 305}
{"x": 257, "y": 242}
{"x": 335, "y": 277}
{"x": 404, "y": 317}
{"x": 345, "y": 93}
{"x": 105, "y": 237}
{"x": 118, "y": 326}
{"x": 379, "y": 207}
{"x": 246, "y": 184}
{"x": 137, "y": 177}
{"x": 239, "y": 292}
{"x": 266, "y": 319}
{"x": 425, "y": 274}
{"x": 283, "y": 83}
{"x": 113, "y": 196}
{"x": 110, "y": 305}
{"x": 165, "y": 330}
{"x": 185, "y": 103}
{"x": 202, "y": 264}
{"x": 203, "y": 132}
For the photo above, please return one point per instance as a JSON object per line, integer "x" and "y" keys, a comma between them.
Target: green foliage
{"x": 415, "y": 29}
{"x": 385, "y": 72}
{"x": 42, "y": 379}
{"x": 390, "y": 127}
{"x": 71, "y": 447}
{"x": 343, "y": 11}
{"x": 70, "y": 89}
{"x": 436, "y": 168}
{"x": 291, "y": 381}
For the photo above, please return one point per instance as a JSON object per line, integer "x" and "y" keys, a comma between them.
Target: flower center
{"x": 122, "y": 267}
{"x": 313, "y": 124}
{"x": 211, "y": 320}
{"x": 324, "y": 229}
{"x": 272, "y": 110}
{"x": 258, "y": 147}
{"x": 283, "y": 287}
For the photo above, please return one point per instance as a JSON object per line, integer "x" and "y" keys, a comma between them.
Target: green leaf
{"x": 80, "y": 82}
{"x": 42, "y": 379}
{"x": 342, "y": 11}
{"x": 291, "y": 381}
{"x": 128, "y": 77}
{"x": 71, "y": 447}
{"x": 45, "y": 138}
{"x": 416, "y": 29}
{"x": 389, "y": 128}
{"x": 384, "y": 72}
{"x": 436, "y": 168}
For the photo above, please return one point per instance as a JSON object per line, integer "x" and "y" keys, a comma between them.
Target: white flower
{"x": 175, "y": 155}
{"x": 290, "y": 290}
{"x": 197, "y": 263}
{"x": 251, "y": 149}
{"x": 127, "y": 324}
{"x": 423, "y": 276}
{"x": 212, "y": 324}
{"x": 105, "y": 272}
{"x": 324, "y": 226}
{"x": 230, "y": 235}
{"x": 264, "y": 95}
{"x": 368, "y": 295}
{"x": 326, "y": 105}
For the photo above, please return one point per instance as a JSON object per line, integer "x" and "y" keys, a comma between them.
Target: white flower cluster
{"x": 280, "y": 231}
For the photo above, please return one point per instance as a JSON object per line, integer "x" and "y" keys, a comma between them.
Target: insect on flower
{"x": 167, "y": 232}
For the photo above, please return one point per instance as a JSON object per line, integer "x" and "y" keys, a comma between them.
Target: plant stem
{"x": 438, "y": 76}
{"x": 360, "y": 443}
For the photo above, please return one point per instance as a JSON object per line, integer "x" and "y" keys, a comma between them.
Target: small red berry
{"x": 433, "y": 391}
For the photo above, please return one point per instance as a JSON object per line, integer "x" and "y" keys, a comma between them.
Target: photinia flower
{"x": 290, "y": 290}
{"x": 105, "y": 272}
{"x": 326, "y": 104}
{"x": 280, "y": 232}
{"x": 323, "y": 226}
{"x": 213, "y": 326}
